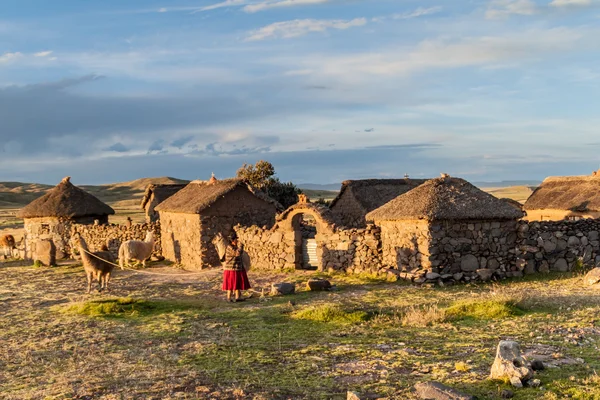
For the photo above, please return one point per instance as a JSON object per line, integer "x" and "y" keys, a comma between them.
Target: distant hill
{"x": 120, "y": 195}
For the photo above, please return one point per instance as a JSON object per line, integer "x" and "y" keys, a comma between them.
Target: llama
{"x": 136, "y": 250}
{"x": 94, "y": 265}
{"x": 7, "y": 244}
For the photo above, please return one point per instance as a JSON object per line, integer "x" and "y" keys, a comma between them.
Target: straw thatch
{"x": 160, "y": 192}
{"x": 445, "y": 198}
{"x": 199, "y": 195}
{"x": 373, "y": 193}
{"x": 572, "y": 193}
{"x": 65, "y": 200}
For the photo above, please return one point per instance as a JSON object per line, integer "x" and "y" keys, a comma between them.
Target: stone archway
{"x": 310, "y": 223}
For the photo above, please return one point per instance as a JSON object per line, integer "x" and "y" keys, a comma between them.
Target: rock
{"x": 282, "y": 289}
{"x": 534, "y": 383}
{"x": 458, "y": 276}
{"x": 509, "y": 364}
{"x": 45, "y": 252}
{"x": 516, "y": 382}
{"x": 432, "y": 276}
{"x": 507, "y": 394}
{"x": 485, "y": 274}
{"x": 561, "y": 265}
{"x": 437, "y": 391}
{"x": 544, "y": 267}
{"x": 549, "y": 246}
{"x": 316, "y": 285}
{"x": 352, "y": 396}
{"x": 537, "y": 365}
{"x": 573, "y": 241}
{"x": 469, "y": 263}
{"x": 592, "y": 277}
{"x": 493, "y": 264}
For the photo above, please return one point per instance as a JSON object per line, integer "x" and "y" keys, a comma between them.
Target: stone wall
{"x": 113, "y": 235}
{"x": 353, "y": 250}
{"x": 450, "y": 251}
{"x": 181, "y": 239}
{"x": 268, "y": 249}
{"x": 558, "y": 246}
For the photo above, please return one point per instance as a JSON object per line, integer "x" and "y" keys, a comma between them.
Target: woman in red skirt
{"x": 235, "y": 278}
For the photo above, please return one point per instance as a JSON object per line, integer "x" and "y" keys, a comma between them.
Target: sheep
{"x": 136, "y": 250}
{"x": 94, "y": 265}
{"x": 7, "y": 244}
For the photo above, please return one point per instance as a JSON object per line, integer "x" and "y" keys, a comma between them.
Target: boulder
{"x": 507, "y": 394}
{"x": 485, "y": 274}
{"x": 561, "y": 265}
{"x": 592, "y": 277}
{"x": 316, "y": 285}
{"x": 432, "y": 276}
{"x": 45, "y": 252}
{"x": 437, "y": 391}
{"x": 509, "y": 364}
{"x": 469, "y": 263}
{"x": 538, "y": 365}
{"x": 282, "y": 289}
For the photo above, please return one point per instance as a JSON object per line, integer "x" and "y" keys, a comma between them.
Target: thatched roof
{"x": 513, "y": 203}
{"x": 445, "y": 198}
{"x": 573, "y": 193}
{"x": 161, "y": 192}
{"x": 199, "y": 195}
{"x": 65, "y": 200}
{"x": 373, "y": 193}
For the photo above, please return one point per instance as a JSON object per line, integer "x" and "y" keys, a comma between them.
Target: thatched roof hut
{"x": 156, "y": 194}
{"x": 566, "y": 196}
{"x": 359, "y": 197}
{"x": 445, "y": 198}
{"x": 67, "y": 201}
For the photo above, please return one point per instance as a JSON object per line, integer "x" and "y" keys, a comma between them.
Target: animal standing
{"x": 7, "y": 244}
{"x": 94, "y": 264}
{"x": 136, "y": 250}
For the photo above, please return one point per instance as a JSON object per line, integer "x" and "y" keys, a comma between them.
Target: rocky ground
{"x": 172, "y": 336}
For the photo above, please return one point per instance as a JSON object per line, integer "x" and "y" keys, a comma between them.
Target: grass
{"x": 371, "y": 336}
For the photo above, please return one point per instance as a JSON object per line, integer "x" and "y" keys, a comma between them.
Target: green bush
{"x": 331, "y": 313}
{"x": 483, "y": 309}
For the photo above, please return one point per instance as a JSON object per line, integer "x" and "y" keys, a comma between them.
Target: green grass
{"x": 331, "y": 313}
{"x": 124, "y": 308}
{"x": 488, "y": 309}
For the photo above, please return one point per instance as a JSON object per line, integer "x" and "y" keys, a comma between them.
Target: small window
{"x": 44, "y": 228}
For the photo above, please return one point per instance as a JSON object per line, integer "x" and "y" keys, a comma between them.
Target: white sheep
{"x": 136, "y": 250}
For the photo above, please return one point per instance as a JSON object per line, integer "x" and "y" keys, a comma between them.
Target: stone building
{"x": 565, "y": 198}
{"x": 447, "y": 226}
{"x": 156, "y": 194}
{"x": 51, "y": 216}
{"x": 359, "y": 197}
{"x": 192, "y": 217}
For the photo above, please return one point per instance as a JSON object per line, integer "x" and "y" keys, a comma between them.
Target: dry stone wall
{"x": 112, "y": 236}
{"x": 558, "y": 246}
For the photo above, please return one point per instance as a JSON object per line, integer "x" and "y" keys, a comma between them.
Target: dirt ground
{"x": 178, "y": 338}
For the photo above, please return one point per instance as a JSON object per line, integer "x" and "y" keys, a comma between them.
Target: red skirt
{"x": 235, "y": 280}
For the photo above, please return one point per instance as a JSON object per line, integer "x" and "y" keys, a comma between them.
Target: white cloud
{"x": 42, "y": 54}
{"x": 280, "y": 3}
{"x": 300, "y": 27}
{"x": 571, "y": 3}
{"x": 226, "y": 3}
{"x": 419, "y": 12}
{"x": 9, "y": 57}
{"x": 505, "y": 8}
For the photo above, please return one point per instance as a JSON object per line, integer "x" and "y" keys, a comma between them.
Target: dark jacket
{"x": 232, "y": 261}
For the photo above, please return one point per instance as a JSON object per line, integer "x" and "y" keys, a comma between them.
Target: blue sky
{"x": 327, "y": 90}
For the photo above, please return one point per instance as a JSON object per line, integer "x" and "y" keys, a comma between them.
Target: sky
{"x": 327, "y": 90}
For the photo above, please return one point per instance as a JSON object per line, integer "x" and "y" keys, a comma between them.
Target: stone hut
{"x": 565, "y": 198}
{"x": 156, "y": 194}
{"x": 447, "y": 226}
{"x": 51, "y": 216}
{"x": 359, "y": 197}
{"x": 192, "y": 217}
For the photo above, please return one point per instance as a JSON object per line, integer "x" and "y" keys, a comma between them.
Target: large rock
{"x": 509, "y": 364}
{"x": 316, "y": 285}
{"x": 592, "y": 277}
{"x": 45, "y": 252}
{"x": 282, "y": 289}
{"x": 485, "y": 274}
{"x": 437, "y": 391}
{"x": 469, "y": 263}
{"x": 561, "y": 265}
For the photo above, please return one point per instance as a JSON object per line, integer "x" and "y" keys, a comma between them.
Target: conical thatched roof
{"x": 65, "y": 200}
{"x": 573, "y": 193}
{"x": 373, "y": 193}
{"x": 198, "y": 195}
{"x": 445, "y": 198}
